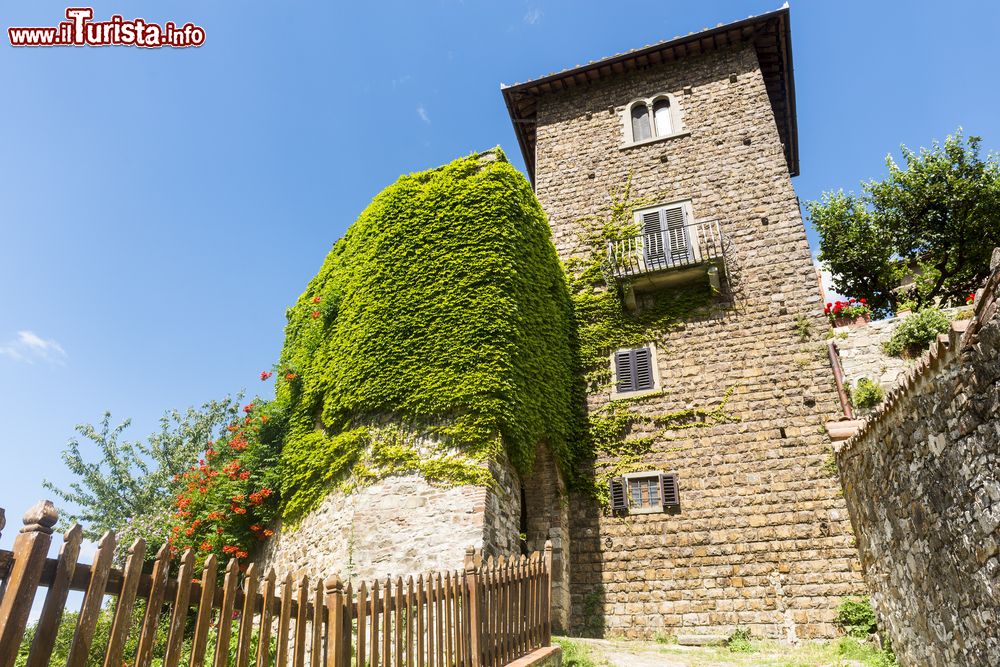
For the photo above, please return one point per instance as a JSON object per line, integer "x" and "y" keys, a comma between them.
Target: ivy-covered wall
{"x": 436, "y": 337}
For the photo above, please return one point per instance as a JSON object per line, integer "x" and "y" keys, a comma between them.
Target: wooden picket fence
{"x": 486, "y": 615}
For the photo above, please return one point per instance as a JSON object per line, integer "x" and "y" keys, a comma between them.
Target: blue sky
{"x": 159, "y": 209}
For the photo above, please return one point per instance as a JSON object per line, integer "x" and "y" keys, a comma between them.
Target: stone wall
{"x": 762, "y": 539}
{"x": 922, "y": 483}
{"x": 546, "y": 512}
{"x": 401, "y": 525}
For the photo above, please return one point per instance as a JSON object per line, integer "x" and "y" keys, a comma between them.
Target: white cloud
{"x": 533, "y": 16}
{"x": 422, "y": 112}
{"x": 406, "y": 78}
{"x": 29, "y": 347}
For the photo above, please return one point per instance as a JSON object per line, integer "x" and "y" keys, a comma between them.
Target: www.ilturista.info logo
{"x": 80, "y": 30}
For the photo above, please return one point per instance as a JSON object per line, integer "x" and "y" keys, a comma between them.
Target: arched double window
{"x": 653, "y": 118}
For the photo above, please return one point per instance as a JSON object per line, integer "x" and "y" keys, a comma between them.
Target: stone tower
{"x": 713, "y": 505}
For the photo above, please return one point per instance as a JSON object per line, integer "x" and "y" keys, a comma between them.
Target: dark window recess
{"x": 617, "y": 488}
{"x": 671, "y": 490}
{"x": 634, "y": 370}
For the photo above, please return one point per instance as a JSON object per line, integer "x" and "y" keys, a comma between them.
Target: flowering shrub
{"x": 916, "y": 332}
{"x": 849, "y": 310}
{"x": 227, "y": 501}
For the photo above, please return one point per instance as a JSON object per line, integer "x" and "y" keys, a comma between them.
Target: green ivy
{"x": 605, "y": 324}
{"x": 444, "y": 308}
{"x": 445, "y": 311}
{"x": 611, "y": 428}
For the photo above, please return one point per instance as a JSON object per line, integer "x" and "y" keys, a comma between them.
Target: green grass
{"x": 843, "y": 652}
{"x": 577, "y": 655}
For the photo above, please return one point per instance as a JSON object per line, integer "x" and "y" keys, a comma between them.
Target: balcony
{"x": 674, "y": 254}
{"x": 679, "y": 247}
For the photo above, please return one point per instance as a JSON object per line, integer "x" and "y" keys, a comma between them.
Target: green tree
{"x": 130, "y": 481}
{"x": 936, "y": 220}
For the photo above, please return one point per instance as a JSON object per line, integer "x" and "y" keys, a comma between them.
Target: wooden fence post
{"x": 547, "y": 591}
{"x": 31, "y": 546}
{"x": 335, "y": 623}
{"x": 472, "y": 617}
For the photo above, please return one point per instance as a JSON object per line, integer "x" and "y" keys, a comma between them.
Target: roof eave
{"x": 511, "y": 92}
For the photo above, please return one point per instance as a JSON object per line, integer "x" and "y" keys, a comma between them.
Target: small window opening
{"x": 661, "y": 118}
{"x": 640, "y": 123}
{"x": 634, "y": 370}
{"x": 644, "y": 493}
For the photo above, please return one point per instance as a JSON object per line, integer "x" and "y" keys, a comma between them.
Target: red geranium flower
{"x": 315, "y": 314}
{"x": 317, "y": 299}
{"x": 265, "y": 375}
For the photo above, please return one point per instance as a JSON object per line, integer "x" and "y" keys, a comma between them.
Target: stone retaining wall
{"x": 401, "y": 525}
{"x": 922, "y": 484}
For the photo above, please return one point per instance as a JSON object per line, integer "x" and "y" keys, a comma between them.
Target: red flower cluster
{"x": 315, "y": 314}
{"x": 839, "y": 307}
{"x": 261, "y": 532}
{"x": 317, "y": 299}
{"x": 258, "y": 497}
{"x": 222, "y": 503}
{"x": 969, "y": 300}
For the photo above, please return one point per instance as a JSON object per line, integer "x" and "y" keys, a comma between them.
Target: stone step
{"x": 701, "y": 640}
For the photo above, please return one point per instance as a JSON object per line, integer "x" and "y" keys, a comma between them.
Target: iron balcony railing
{"x": 676, "y": 247}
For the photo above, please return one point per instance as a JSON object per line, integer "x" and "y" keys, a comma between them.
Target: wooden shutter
{"x": 643, "y": 368}
{"x": 671, "y": 490}
{"x": 634, "y": 370}
{"x": 652, "y": 239}
{"x": 617, "y": 489}
{"x": 624, "y": 370}
{"x": 676, "y": 241}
